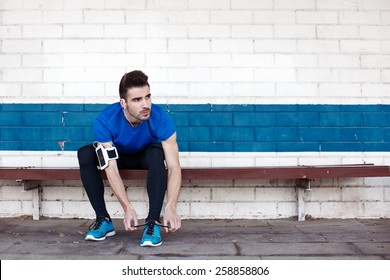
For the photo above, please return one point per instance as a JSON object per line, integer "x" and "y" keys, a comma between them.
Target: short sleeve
{"x": 101, "y": 131}
{"x": 166, "y": 127}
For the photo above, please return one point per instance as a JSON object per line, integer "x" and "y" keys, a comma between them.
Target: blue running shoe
{"x": 152, "y": 235}
{"x": 102, "y": 228}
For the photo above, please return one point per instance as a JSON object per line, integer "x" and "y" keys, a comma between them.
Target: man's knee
{"x": 86, "y": 155}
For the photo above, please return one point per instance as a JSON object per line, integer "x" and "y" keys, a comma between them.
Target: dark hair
{"x": 132, "y": 79}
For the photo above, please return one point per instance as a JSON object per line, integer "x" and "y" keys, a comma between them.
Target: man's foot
{"x": 152, "y": 235}
{"x": 102, "y": 228}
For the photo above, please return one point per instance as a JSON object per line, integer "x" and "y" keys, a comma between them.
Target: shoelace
{"x": 150, "y": 224}
{"x": 96, "y": 224}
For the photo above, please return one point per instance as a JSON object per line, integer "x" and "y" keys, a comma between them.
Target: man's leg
{"x": 153, "y": 160}
{"x": 93, "y": 185}
{"x": 92, "y": 180}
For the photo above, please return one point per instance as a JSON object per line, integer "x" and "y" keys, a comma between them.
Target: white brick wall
{"x": 352, "y": 36}
{"x": 237, "y": 51}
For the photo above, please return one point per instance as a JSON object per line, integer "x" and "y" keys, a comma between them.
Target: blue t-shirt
{"x": 111, "y": 126}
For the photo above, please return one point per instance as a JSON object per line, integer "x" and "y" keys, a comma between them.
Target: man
{"x": 133, "y": 134}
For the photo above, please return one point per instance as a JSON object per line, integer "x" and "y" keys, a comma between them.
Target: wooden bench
{"x": 31, "y": 177}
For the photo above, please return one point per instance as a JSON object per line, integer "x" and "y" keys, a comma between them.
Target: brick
{"x": 83, "y": 31}
{"x": 147, "y": 45}
{"x": 189, "y": 74}
{"x": 385, "y": 18}
{"x": 360, "y": 76}
{"x": 287, "y": 209}
{"x": 42, "y": 31}
{"x": 375, "y": 119}
{"x": 251, "y": 89}
{"x": 254, "y": 119}
{"x": 167, "y": 60}
{"x": 10, "y": 208}
{"x": 231, "y": 17}
{"x": 360, "y": 46}
{"x": 104, "y": 17}
{"x": 10, "y": 60}
{"x": 362, "y": 194}
{"x": 208, "y": 5}
{"x": 86, "y": 4}
{"x": 254, "y": 146}
{"x": 227, "y": 75}
{"x": 323, "y": 194}
{"x": 41, "y": 119}
{"x": 211, "y": 119}
{"x": 10, "y": 31}
{"x": 85, "y": 89}
{"x": 189, "y": 46}
{"x": 64, "y": 17}
{"x": 77, "y": 209}
{"x": 285, "y": 119}
{"x": 235, "y": 134}
{"x": 21, "y": 46}
{"x": 324, "y": 31}
{"x": 275, "y": 75}
{"x": 252, "y": 31}
{"x": 362, "y": 134}
{"x": 340, "y": 119}
{"x": 52, "y": 209}
{"x": 82, "y": 60}
{"x": 360, "y": 18}
{"x": 212, "y": 31}
{"x": 375, "y": 32}
{"x": 15, "y": 193}
{"x": 211, "y": 146}
{"x": 252, "y": 4}
{"x": 317, "y": 75}
{"x": 232, "y": 45}
{"x": 42, "y": 90}
{"x": 297, "y": 4}
{"x": 189, "y": 17}
{"x": 236, "y": 162}
{"x": 42, "y": 60}
{"x": 129, "y": 4}
{"x": 340, "y": 210}
{"x": 337, "y": 5}
{"x": 63, "y": 46}
{"x": 373, "y": 5}
{"x": 166, "y": 31}
{"x": 104, "y": 46}
{"x": 316, "y": 17}
{"x": 339, "y": 89}
{"x": 232, "y": 195}
{"x": 64, "y": 75}
{"x": 255, "y": 210}
{"x": 21, "y": 17}
{"x": 276, "y": 134}
{"x": 338, "y": 61}
{"x": 310, "y": 90}
{"x": 211, "y": 210}
{"x": 387, "y": 194}
{"x": 125, "y": 31}
{"x": 385, "y": 76}
{"x": 149, "y": 17}
{"x": 170, "y": 89}
{"x": 23, "y": 74}
{"x": 63, "y": 134}
{"x": 274, "y": 17}
{"x": 166, "y": 5}
{"x": 318, "y": 46}
{"x": 273, "y": 46}
{"x": 253, "y": 60}
{"x": 180, "y": 119}
{"x": 375, "y": 61}
{"x": 31, "y": 5}
{"x": 295, "y": 31}
{"x": 62, "y": 193}
{"x": 210, "y": 60}
{"x": 295, "y": 60}
{"x": 10, "y": 118}
{"x": 195, "y": 195}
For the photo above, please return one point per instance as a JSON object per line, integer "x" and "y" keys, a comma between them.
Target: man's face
{"x": 138, "y": 104}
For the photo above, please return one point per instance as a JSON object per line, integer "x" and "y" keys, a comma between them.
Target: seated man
{"x": 133, "y": 134}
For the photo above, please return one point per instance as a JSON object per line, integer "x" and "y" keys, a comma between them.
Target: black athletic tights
{"x": 152, "y": 159}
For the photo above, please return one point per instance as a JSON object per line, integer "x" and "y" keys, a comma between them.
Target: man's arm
{"x": 171, "y": 153}
{"x": 118, "y": 188}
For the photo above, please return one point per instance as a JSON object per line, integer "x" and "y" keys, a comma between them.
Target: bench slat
{"x": 286, "y": 172}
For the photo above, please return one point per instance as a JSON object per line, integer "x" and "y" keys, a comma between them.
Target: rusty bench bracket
{"x": 35, "y": 188}
{"x": 29, "y": 185}
{"x": 302, "y": 186}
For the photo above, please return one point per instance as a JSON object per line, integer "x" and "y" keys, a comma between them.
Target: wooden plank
{"x": 286, "y": 172}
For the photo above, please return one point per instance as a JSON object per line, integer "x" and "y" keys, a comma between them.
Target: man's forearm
{"x": 173, "y": 189}
{"x": 118, "y": 188}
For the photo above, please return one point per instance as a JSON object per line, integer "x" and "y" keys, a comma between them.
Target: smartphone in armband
{"x": 104, "y": 155}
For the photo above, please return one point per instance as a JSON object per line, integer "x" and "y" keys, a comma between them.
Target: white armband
{"x": 104, "y": 155}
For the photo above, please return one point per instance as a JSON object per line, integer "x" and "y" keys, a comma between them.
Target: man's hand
{"x": 172, "y": 220}
{"x": 130, "y": 221}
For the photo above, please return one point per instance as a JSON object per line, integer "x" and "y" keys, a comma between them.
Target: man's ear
{"x": 123, "y": 103}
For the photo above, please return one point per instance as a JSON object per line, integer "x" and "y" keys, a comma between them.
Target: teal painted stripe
{"x": 211, "y": 128}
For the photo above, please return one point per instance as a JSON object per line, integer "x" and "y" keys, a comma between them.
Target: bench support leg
{"x": 36, "y": 203}
{"x": 301, "y": 204}
{"x": 302, "y": 186}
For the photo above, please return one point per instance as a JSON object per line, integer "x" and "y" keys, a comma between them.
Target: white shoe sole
{"x": 150, "y": 244}
{"x": 92, "y": 238}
